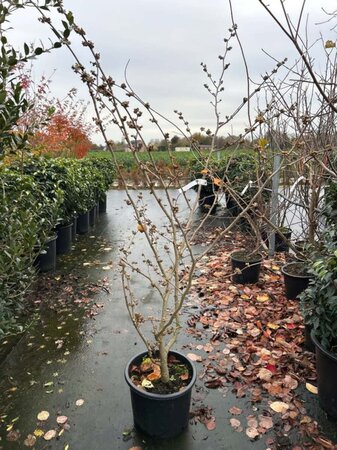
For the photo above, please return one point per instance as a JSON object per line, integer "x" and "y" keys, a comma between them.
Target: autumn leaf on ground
{"x": 262, "y": 298}
{"x": 265, "y": 422}
{"x": 210, "y": 423}
{"x": 51, "y": 434}
{"x": 194, "y": 357}
{"x": 279, "y": 407}
{"x": 38, "y": 432}
{"x": 43, "y": 415}
{"x": 252, "y": 433}
{"x": 61, "y": 419}
{"x": 30, "y": 441}
{"x": 234, "y": 410}
{"x": 236, "y": 424}
{"x": 265, "y": 374}
{"x": 13, "y": 435}
{"x": 311, "y": 388}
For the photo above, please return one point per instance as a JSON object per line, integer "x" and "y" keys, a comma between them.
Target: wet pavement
{"x": 70, "y": 354}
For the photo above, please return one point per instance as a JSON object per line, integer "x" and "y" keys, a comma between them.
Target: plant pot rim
{"x": 64, "y": 225}
{"x": 161, "y": 397}
{"x": 258, "y": 256}
{"x": 326, "y": 352}
{"x": 283, "y": 270}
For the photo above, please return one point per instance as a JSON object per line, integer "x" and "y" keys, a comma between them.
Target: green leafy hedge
{"x": 35, "y": 196}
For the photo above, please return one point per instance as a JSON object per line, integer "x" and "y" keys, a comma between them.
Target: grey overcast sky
{"x": 165, "y": 41}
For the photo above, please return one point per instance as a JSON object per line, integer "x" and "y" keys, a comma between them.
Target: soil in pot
{"x": 296, "y": 278}
{"x": 162, "y": 415}
{"x": 246, "y": 266}
{"x": 326, "y": 367}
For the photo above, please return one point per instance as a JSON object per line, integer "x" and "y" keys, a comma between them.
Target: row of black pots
{"x": 61, "y": 242}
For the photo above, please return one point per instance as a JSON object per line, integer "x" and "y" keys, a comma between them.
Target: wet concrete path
{"x": 66, "y": 357}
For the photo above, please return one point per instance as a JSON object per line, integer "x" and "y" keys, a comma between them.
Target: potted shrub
{"x": 319, "y": 307}
{"x": 296, "y": 278}
{"x": 246, "y": 266}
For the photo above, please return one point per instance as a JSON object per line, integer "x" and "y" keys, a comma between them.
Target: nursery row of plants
{"x": 37, "y": 195}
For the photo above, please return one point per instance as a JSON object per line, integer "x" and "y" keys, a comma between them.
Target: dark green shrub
{"x": 26, "y": 217}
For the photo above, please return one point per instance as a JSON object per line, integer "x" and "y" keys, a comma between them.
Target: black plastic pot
{"x": 92, "y": 216}
{"x": 280, "y": 245}
{"x": 294, "y": 284}
{"x": 249, "y": 268}
{"x": 161, "y": 416}
{"x": 46, "y": 259}
{"x": 309, "y": 345}
{"x": 102, "y": 204}
{"x": 207, "y": 202}
{"x": 64, "y": 239}
{"x": 82, "y": 226}
{"x": 73, "y": 228}
{"x": 326, "y": 368}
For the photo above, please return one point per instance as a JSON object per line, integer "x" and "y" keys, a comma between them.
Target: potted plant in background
{"x": 246, "y": 266}
{"x": 319, "y": 307}
{"x": 296, "y": 278}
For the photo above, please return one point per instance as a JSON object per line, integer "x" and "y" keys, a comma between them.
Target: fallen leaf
{"x": 147, "y": 384}
{"x": 13, "y": 435}
{"x": 279, "y": 407}
{"x": 30, "y": 441}
{"x": 38, "y": 432}
{"x": 236, "y": 424}
{"x": 265, "y": 422}
{"x": 61, "y": 419}
{"x": 265, "y": 374}
{"x": 311, "y": 388}
{"x": 262, "y": 298}
{"x": 51, "y": 434}
{"x": 194, "y": 357}
{"x": 252, "y": 433}
{"x": 43, "y": 415}
{"x": 211, "y": 424}
{"x": 234, "y": 410}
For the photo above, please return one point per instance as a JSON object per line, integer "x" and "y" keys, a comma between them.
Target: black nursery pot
{"x": 92, "y": 216}
{"x": 73, "y": 228}
{"x": 280, "y": 245}
{"x": 160, "y": 416}
{"x": 102, "y": 204}
{"x": 207, "y": 202}
{"x": 46, "y": 259}
{"x": 294, "y": 283}
{"x": 309, "y": 345}
{"x": 83, "y": 223}
{"x": 326, "y": 367}
{"x": 250, "y": 268}
{"x": 64, "y": 239}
